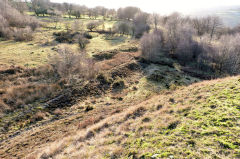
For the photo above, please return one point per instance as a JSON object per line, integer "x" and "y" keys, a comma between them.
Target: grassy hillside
{"x": 198, "y": 121}
{"x": 70, "y": 91}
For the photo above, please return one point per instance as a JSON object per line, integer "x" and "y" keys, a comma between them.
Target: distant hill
{"x": 229, "y": 15}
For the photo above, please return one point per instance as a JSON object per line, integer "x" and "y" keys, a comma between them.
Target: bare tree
{"x": 56, "y": 18}
{"x": 207, "y": 25}
{"x": 152, "y": 45}
{"x": 93, "y": 25}
{"x": 215, "y": 24}
{"x": 90, "y": 13}
{"x": 68, "y": 9}
{"x": 155, "y": 18}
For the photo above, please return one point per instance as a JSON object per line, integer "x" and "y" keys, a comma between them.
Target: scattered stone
{"x": 159, "y": 107}
{"x": 155, "y": 156}
{"x": 89, "y": 135}
{"x": 146, "y": 119}
{"x": 173, "y": 125}
{"x": 88, "y": 108}
{"x": 213, "y": 106}
{"x": 171, "y": 100}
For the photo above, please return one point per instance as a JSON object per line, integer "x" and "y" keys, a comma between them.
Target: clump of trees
{"x": 15, "y": 25}
{"x": 197, "y": 42}
{"x": 140, "y": 24}
{"x": 127, "y": 13}
{"x": 132, "y": 22}
{"x": 123, "y": 28}
{"x": 40, "y": 6}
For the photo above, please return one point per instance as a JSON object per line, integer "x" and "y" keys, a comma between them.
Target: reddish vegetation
{"x": 23, "y": 86}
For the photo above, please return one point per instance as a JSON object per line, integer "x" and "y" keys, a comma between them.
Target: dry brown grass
{"x": 88, "y": 122}
{"x": 117, "y": 60}
{"x": 17, "y": 96}
{"x": 20, "y": 86}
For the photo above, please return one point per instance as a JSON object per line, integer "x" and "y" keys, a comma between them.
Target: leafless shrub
{"x": 4, "y": 107}
{"x": 4, "y": 28}
{"x": 71, "y": 65}
{"x": 82, "y": 41}
{"x": 57, "y": 112}
{"x": 19, "y": 5}
{"x": 23, "y": 34}
{"x": 77, "y": 26}
{"x": 33, "y": 23}
{"x": 38, "y": 117}
{"x": 89, "y": 121}
{"x": 67, "y": 26}
{"x": 176, "y": 28}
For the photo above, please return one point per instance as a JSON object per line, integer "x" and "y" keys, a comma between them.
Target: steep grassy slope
{"x": 198, "y": 121}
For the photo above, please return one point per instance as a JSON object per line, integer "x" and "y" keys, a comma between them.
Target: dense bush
{"x": 23, "y": 34}
{"x": 64, "y": 37}
{"x": 123, "y": 28}
{"x": 69, "y": 37}
{"x": 87, "y": 35}
{"x": 82, "y": 41}
{"x": 14, "y": 24}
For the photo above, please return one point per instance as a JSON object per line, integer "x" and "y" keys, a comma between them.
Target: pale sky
{"x": 159, "y": 6}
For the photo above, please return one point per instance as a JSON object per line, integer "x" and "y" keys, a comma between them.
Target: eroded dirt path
{"x": 76, "y": 117}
